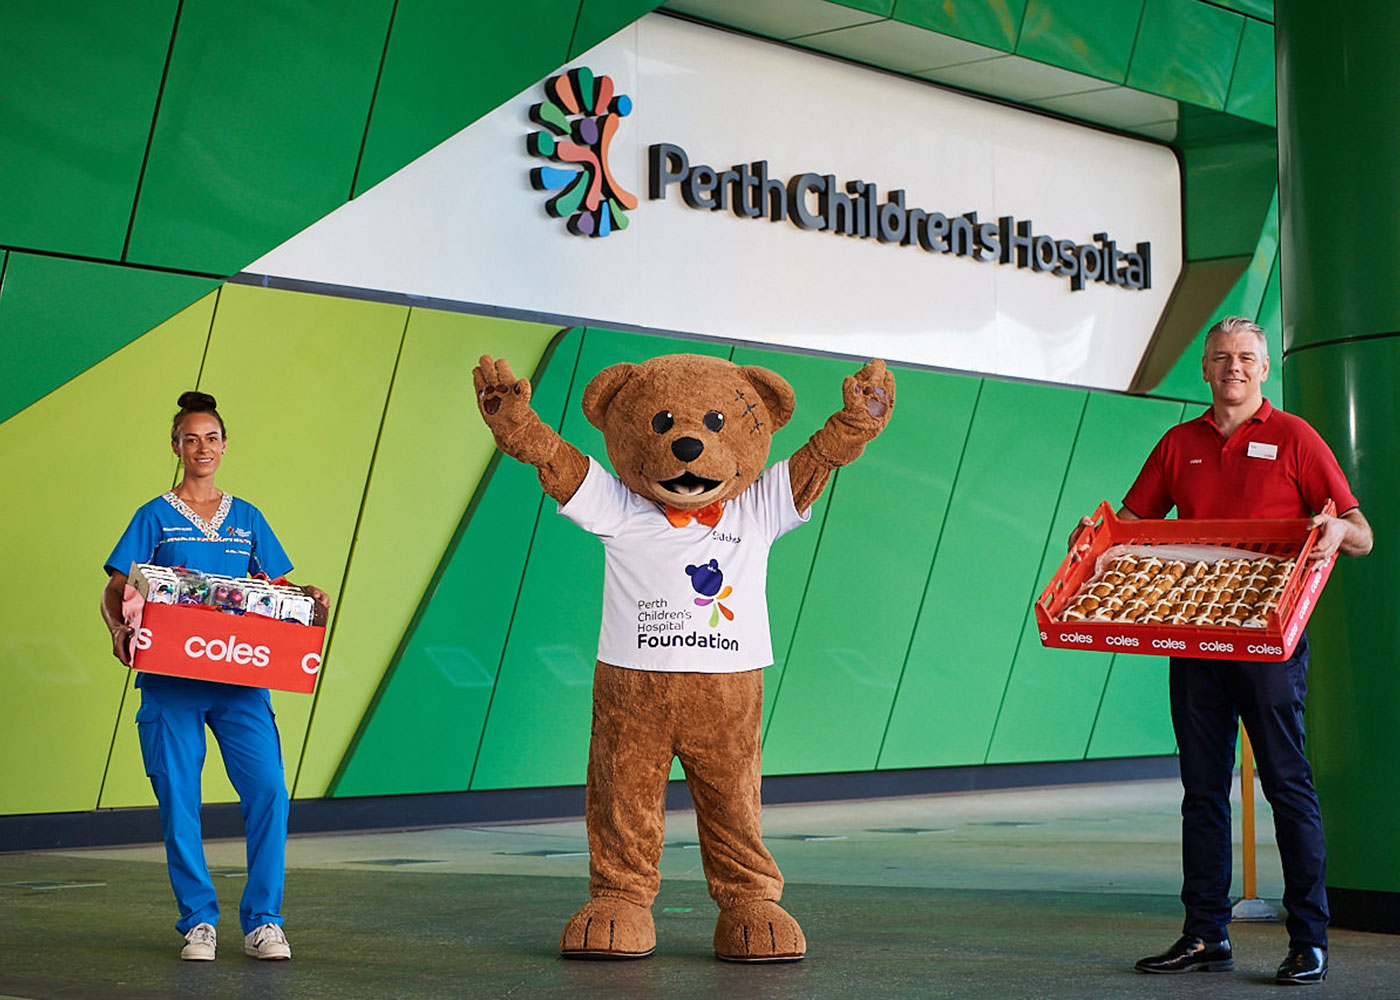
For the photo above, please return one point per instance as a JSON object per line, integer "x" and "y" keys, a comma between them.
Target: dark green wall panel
{"x": 1252, "y": 88}
{"x": 886, "y": 513}
{"x": 537, "y": 731}
{"x": 1052, "y": 695}
{"x": 1227, "y": 189}
{"x": 423, "y": 731}
{"x": 994, "y": 24}
{"x": 1087, "y": 36}
{"x": 599, "y": 19}
{"x": 259, "y": 127}
{"x": 984, "y": 574}
{"x": 448, "y": 63}
{"x": 79, "y": 82}
{"x": 1186, "y": 50}
{"x": 59, "y": 317}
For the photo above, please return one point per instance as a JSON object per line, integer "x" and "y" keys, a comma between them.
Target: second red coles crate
{"x": 1290, "y": 539}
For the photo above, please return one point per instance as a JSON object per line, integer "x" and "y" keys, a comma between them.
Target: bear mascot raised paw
{"x": 686, "y": 526}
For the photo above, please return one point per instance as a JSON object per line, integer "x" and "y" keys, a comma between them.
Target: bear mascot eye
{"x": 662, "y": 422}
{"x": 713, "y": 420}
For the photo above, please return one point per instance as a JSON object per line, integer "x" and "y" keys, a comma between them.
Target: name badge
{"x": 1258, "y": 449}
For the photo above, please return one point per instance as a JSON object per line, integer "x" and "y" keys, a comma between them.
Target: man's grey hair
{"x": 1238, "y": 324}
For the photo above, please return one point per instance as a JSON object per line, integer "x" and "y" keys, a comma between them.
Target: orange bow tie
{"x": 708, "y": 515}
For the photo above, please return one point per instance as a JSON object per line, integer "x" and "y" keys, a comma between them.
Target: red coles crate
{"x": 209, "y": 645}
{"x": 1289, "y": 539}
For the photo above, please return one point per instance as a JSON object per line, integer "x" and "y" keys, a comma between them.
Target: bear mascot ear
{"x": 602, "y": 389}
{"x": 773, "y": 389}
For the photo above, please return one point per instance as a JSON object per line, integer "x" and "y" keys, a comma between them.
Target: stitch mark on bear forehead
{"x": 749, "y": 408}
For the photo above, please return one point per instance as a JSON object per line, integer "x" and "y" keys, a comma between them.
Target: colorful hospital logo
{"x": 708, "y": 581}
{"x": 578, "y": 124}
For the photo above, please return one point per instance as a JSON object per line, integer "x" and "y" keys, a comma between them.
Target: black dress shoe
{"x": 1191, "y": 954}
{"x": 1305, "y": 964}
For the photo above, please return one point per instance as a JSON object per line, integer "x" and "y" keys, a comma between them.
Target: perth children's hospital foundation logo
{"x": 708, "y": 581}
{"x": 578, "y": 123}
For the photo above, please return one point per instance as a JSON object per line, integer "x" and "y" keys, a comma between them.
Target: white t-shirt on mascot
{"x": 687, "y": 599}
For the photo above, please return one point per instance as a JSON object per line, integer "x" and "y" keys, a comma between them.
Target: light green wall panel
{"x": 260, "y": 124}
{"x": 110, "y": 426}
{"x": 886, "y": 514}
{"x": 537, "y": 730}
{"x": 816, "y": 382}
{"x": 1052, "y": 695}
{"x": 58, "y": 316}
{"x": 1252, "y": 87}
{"x": 986, "y": 22}
{"x": 984, "y": 575}
{"x": 301, "y": 382}
{"x": 429, "y": 461}
{"x": 599, "y": 19}
{"x": 423, "y": 730}
{"x": 1186, "y": 50}
{"x": 79, "y": 81}
{"x": 1087, "y": 36}
{"x": 448, "y": 63}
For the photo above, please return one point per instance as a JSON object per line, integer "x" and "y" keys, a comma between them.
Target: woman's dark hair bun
{"x": 197, "y": 402}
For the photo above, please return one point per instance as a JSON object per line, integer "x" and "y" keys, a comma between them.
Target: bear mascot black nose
{"x": 687, "y": 449}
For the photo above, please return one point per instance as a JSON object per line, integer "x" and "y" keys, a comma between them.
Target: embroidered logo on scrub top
{"x": 708, "y": 581}
{"x": 209, "y": 529}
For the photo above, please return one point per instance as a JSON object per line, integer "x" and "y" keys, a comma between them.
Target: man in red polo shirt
{"x": 1243, "y": 458}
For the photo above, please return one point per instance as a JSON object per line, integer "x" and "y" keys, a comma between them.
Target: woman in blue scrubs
{"x": 199, "y": 526}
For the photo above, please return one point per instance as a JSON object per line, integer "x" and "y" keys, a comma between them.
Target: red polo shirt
{"x": 1274, "y": 466}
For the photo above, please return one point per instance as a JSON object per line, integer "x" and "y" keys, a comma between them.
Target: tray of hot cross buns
{"x": 1210, "y": 589}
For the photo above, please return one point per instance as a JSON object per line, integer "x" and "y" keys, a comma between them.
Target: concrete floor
{"x": 1047, "y": 893}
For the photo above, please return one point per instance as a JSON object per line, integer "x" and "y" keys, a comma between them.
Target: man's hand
{"x": 121, "y": 643}
{"x": 1084, "y": 522}
{"x": 1349, "y": 534}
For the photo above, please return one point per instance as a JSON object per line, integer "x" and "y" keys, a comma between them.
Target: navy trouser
{"x": 1208, "y": 699}
{"x": 171, "y": 721}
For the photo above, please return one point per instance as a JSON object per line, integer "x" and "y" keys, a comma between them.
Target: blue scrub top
{"x": 165, "y": 532}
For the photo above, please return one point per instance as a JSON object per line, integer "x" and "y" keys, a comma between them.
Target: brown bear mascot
{"x": 686, "y": 527}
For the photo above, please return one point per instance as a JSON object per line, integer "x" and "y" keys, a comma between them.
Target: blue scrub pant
{"x": 1208, "y": 699}
{"x": 171, "y": 721}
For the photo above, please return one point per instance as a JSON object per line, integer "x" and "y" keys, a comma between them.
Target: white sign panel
{"x": 916, "y": 224}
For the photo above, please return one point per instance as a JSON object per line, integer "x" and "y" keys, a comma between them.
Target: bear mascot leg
{"x": 641, "y": 719}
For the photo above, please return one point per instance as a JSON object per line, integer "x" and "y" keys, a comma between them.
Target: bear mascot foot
{"x": 758, "y": 931}
{"x": 608, "y": 927}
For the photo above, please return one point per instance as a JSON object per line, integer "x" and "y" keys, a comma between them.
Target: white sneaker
{"x": 267, "y": 941}
{"x": 200, "y": 942}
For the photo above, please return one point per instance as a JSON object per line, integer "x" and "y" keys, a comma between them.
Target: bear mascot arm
{"x": 868, "y": 401}
{"x": 520, "y": 433}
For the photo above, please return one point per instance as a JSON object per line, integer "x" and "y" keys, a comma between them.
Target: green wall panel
{"x": 599, "y": 19}
{"x": 1087, "y": 36}
{"x": 983, "y": 576}
{"x": 1347, "y": 392}
{"x": 62, "y": 684}
{"x": 424, "y": 728}
{"x": 1134, "y": 716}
{"x": 79, "y": 81}
{"x": 1227, "y": 189}
{"x": 1252, "y": 87}
{"x": 881, "y": 7}
{"x": 986, "y": 22}
{"x": 1186, "y": 50}
{"x": 537, "y": 730}
{"x": 429, "y": 461}
{"x": 448, "y": 63}
{"x": 886, "y": 514}
{"x": 817, "y": 385}
{"x": 301, "y": 431}
{"x": 1248, "y": 297}
{"x": 59, "y": 316}
{"x": 259, "y": 127}
{"x": 1052, "y": 695}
